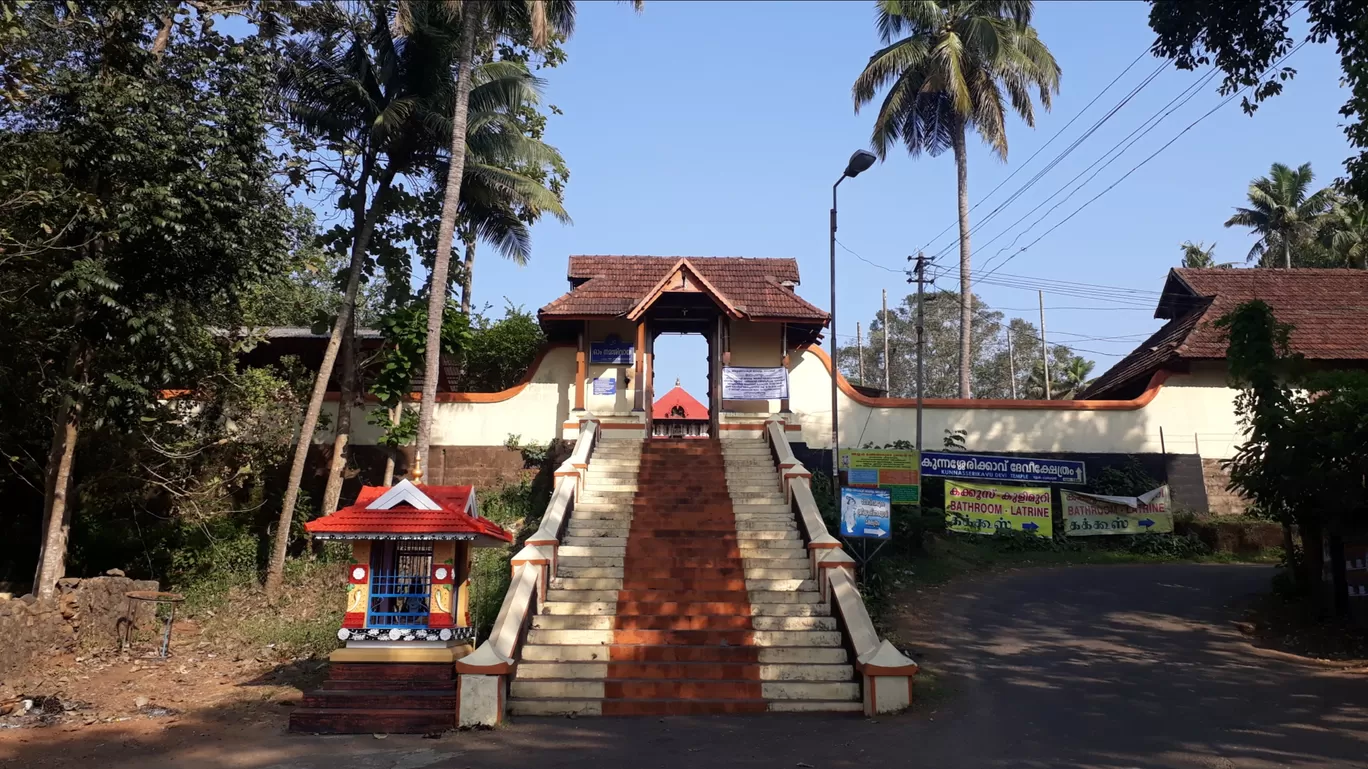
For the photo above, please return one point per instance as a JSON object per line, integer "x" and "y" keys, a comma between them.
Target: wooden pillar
{"x": 581, "y": 366}
{"x": 639, "y": 394}
{"x": 443, "y": 577}
{"x": 648, "y": 375}
{"x": 784, "y": 361}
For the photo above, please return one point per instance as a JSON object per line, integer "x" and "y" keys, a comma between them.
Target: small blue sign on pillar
{"x": 866, "y": 513}
{"x": 605, "y": 385}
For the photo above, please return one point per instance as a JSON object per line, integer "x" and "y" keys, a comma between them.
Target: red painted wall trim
{"x": 1156, "y": 382}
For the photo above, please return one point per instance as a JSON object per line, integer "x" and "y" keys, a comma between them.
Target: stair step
{"x": 370, "y": 721}
{"x": 592, "y": 544}
{"x": 581, "y": 596}
{"x": 607, "y": 608}
{"x": 798, "y": 580}
{"x": 780, "y": 655}
{"x": 784, "y": 596}
{"x": 806, "y": 690}
{"x": 780, "y": 522}
{"x": 586, "y": 583}
{"x": 575, "y": 561}
{"x": 588, "y": 572}
{"x": 774, "y": 554}
{"x": 769, "y": 535}
{"x": 789, "y": 610}
{"x": 741, "y": 508}
{"x": 596, "y": 530}
{"x": 793, "y": 623}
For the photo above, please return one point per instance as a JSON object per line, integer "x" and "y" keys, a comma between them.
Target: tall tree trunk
{"x": 1313, "y": 562}
{"x": 281, "y": 542}
{"x": 57, "y": 520}
{"x": 1290, "y": 552}
{"x": 966, "y": 292}
{"x": 469, "y": 277}
{"x": 57, "y": 485}
{"x": 396, "y": 415}
{"x": 441, "y": 262}
{"x": 332, "y": 492}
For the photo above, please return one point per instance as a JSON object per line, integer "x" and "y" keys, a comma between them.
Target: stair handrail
{"x": 481, "y": 693}
{"x": 797, "y": 484}
{"x": 887, "y": 673}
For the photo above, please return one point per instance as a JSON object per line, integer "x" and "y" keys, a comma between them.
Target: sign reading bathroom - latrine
{"x": 612, "y": 352}
{"x": 890, "y": 469}
{"x": 1090, "y": 515}
{"x": 977, "y": 508}
{"x": 936, "y": 464}
{"x": 744, "y": 383}
{"x": 866, "y": 513}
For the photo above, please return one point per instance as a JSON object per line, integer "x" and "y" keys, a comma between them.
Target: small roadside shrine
{"x": 407, "y": 616}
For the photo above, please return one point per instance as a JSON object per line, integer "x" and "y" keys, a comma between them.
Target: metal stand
{"x": 153, "y": 597}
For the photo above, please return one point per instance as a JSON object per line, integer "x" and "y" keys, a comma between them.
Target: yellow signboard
{"x": 980, "y": 508}
{"x": 896, "y": 470}
{"x": 1090, "y": 515}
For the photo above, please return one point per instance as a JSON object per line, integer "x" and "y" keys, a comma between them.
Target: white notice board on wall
{"x": 744, "y": 383}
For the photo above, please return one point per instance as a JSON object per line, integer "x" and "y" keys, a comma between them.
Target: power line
{"x": 868, "y": 262}
{"x": 1142, "y": 163}
{"x": 1056, "y": 135}
{"x": 1115, "y": 154}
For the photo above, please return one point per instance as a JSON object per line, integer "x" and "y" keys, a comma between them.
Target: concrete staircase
{"x": 678, "y": 594}
{"x": 809, "y": 668}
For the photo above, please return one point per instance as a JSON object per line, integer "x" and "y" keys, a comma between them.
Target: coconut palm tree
{"x": 949, "y": 66}
{"x": 1344, "y": 231}
{"x": 1282, "y": 213}
{"x": 1198, "y": 255}
{"x": 1075, "y": 376}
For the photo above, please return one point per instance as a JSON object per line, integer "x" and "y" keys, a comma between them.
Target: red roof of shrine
{"x": 407, "y": 511}
{"x": 678, "y": 397}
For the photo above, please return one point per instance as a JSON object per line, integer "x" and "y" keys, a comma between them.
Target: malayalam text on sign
{"x": 894, "y": 470}
{"x": 937, "y": 464}
{"x": 866, "y": 513}
{"x": 741, "y": 383}
{"x": 612, "y": 352}
{"x": 1090, "y": 515}
{"x": 979, "y": 508}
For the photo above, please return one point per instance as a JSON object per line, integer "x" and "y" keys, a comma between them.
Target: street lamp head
{"x": 859, "y": 163}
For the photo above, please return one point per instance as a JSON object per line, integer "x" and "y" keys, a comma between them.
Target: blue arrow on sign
{"x": 1029, "y": 526}
{"x": 1146, "y": 523}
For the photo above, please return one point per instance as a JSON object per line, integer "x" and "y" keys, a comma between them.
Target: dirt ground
{"x": 1123, "y": 667}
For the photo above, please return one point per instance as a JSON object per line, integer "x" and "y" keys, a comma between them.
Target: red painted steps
{"x": 364, "y": 698}
{"x": 682, "y": 521}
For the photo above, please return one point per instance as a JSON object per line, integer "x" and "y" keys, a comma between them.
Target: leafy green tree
{"x": 1283, "y": 213}
{"x": 1344, "y": 232}
{"x": 480, "y": 26}
{"x": 993, "y": 366}
{"x": 1200, "y": 255}
{"x": 1247, "y": 41}
{"x": 1075, "y": 375}
{"x": 949, "y": 66}
{"x": 140, "y": 185}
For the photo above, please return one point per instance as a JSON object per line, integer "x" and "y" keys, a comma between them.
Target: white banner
{"x": 754, "y": 384}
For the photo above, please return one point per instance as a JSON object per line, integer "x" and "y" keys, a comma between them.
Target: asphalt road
{"x": 1124, "y": 667}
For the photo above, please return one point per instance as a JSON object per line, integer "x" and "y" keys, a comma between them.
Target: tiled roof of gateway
{"x": 613, "y": 285}
{"x": 1328, "y": 309}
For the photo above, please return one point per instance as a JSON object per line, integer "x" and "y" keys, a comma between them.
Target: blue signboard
{"x": 935, "y": 464}
{"x": 605, "y": 385}
{"x": 742, "y": 383}
{"x": 612, "y": 352}
{"x": 866, "y": 513}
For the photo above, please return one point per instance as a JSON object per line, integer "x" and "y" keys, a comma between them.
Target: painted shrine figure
{"x": 407, "y": 616}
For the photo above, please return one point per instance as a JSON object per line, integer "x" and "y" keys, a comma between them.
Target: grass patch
{"x": 232, "y": 611}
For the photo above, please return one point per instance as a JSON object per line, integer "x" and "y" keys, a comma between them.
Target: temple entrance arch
{"x": 620, "y": 306}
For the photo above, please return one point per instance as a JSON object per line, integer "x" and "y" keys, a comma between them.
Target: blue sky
{"x": 716, "y": 129}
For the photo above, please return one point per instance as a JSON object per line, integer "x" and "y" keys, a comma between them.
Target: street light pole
{"x": 859, "y": 162}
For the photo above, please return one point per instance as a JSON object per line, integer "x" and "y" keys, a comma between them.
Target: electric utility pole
{"x": 884, "y": 319}
{"x": 919, "y": 277}
{"x": 859, "y": 353}
{"x": 1044, "y": 348}
{"x": 1011, "y": 362}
